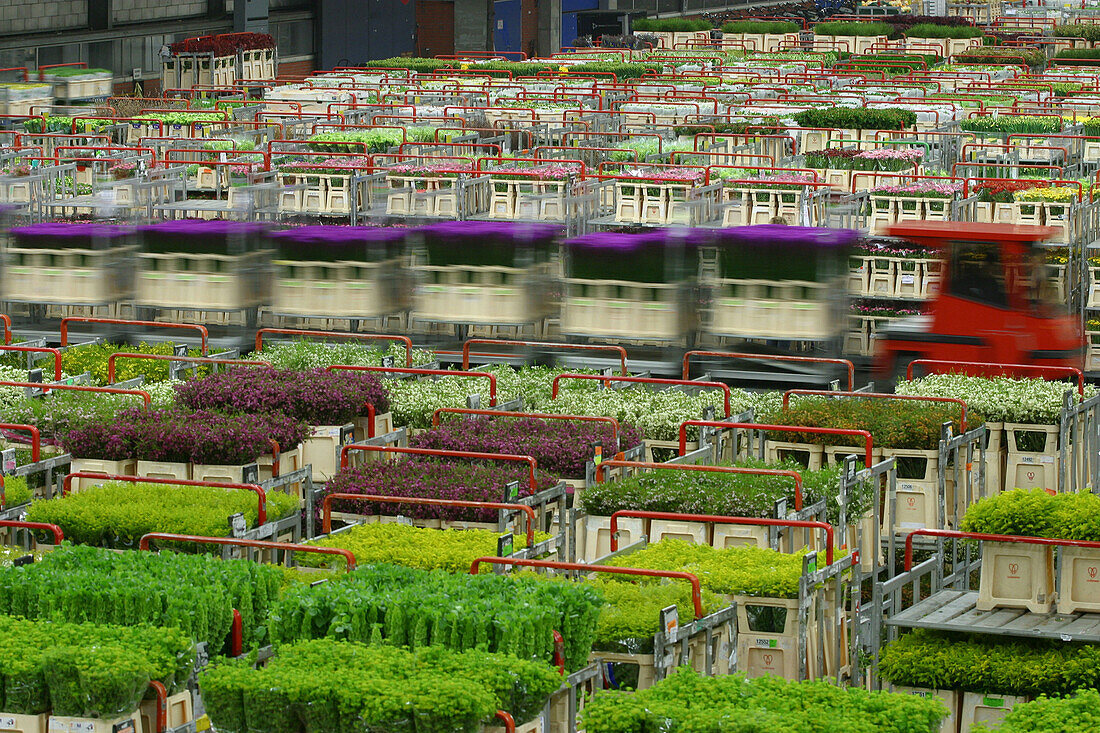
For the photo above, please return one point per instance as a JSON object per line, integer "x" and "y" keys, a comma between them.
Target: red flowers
{"x": 224, "y": 45}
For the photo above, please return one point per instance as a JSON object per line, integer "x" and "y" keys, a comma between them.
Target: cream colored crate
{"x": 694, "y": 533}
{"x": 74, "y": 87}
{"x": 59, "y": 724}
{"x": 762, "y": 653}
{"x": 321, "y": 449}
{"x": 165, "y": 470}
{"x": 857, "y": 339}
{"x": 593, "y": 539}
{"x": 837, "y": 453}
{"x": 809, "y": 454}
{"x": 1094, "y": 287}
{"x": 352, "y": 289}
{"x": 63, "y": 275}
{"x": 951, "y": 700}
{"x": 179, "y": 710}
{"x": 1079, "y": 580}
{"x": 94, "y": 465}
{"x": 13, "y": 723}
{"x": 985, "y": 708}
{"x": 647, "y": 672}
{"x": 782, "y": 309}
{"x": 217, "y": 472}
{"x": 15, "y": 191}
{"x": 477, "y": 294}
{"x": 533, "y": 726}
{"x": 1016, "y": 575}
{"x": 859, "y": 270}
{"x": 201, "y": 281}
{"x": 931, "y": 277}
{"x": 882, "y": 276}
{"x": 917, "y": 508}
{"x": 739, "y": 535}
{"x": 620, "y": 308}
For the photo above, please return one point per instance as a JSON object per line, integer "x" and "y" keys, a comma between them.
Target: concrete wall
{"x": 472, "y": 25}
{"x": 31, "y": 16}
{"x": 135, "y": 11}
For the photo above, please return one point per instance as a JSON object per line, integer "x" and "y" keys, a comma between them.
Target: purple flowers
{"x": 318, "y": 396}
{"x": 561, "y": 447}
{"x": 432, "y": 479}
{"x": 178, "y": 436}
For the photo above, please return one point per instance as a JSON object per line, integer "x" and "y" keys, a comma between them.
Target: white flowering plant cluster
{"x": 998, "y": 399}
{"x": 302, "y": 355}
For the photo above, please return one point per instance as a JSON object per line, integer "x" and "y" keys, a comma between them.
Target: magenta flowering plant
{"x": 180, "y": 436}
{"x": 435, "y": 480}
{"x": 922, "y": 189}
{"x": 315, "y": 396}
{"x": 561, "y": 447}
{"x": 876, "y": 159}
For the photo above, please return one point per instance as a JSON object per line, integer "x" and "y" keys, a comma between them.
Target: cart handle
{"x": 644, "y": 380}
{"x": 361, "y": 336}
{"x": 40, "y": 350}
{"x": 545, "y": 345}
{"x": 167, "y": 357}
{"x": 617, "y": 463}
{"x": 949, "y": 533}
{"x": 441, "y": 372}
{"x": 774, "y": 357}
{"x": 879, "y": 395}
{"x": 203, "y": 333}
{"x": 532, "y": 464}
{"x": 36, "y": 439}
{"x": 868, "y": 440}
{"x": 83, "y": 388}
{"x": 696, "y": 590}
{"x": 261, "y": 493}
{"x": 542, "y": 416}
{"x": 326, "y": 507}
{"x": 238, "y": 542}
{"x": 1004, "y": 369}
{"x": 58, "y": 535}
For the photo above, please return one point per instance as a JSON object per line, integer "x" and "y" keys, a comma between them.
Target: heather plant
{"x": 316, "y": 396}
{"x": 432, "y": 479}
{"x": 561, "y": 447}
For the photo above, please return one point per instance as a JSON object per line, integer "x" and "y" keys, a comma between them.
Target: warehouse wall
{"x": 29, "y": 16}
{"x": 134, "y": 11}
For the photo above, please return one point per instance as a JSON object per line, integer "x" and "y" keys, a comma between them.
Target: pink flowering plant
{"x": 561, "y": 447}
{"x": 434, "y": 480}
{"x": 315, "y": 396}
{"x": 922, "y": 189}
{"x": 876, "y": 159}
{"x": 182, "y": 436}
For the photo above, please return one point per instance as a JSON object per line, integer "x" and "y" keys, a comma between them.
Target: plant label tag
{"x": 908, "y": 279}
{"x": 125, "y": 726}
{"x": 506, "y": 545}
{"x": 7, "y": 724}
{"x": 511, "y": 491}
{"x": 670, "y": 621}
{"x": 473, "y": 402}
{"x": 20, "y": 562}
{"x": 708, "y": 413}
{"x": 7, "y": 457}
{"x": 402, "y": 519}
{"x": 179, "y": 349}
{"x": 387, "y": 361}
{"x": 347, "y": 435}
{"x": 597, "y": 452}
{"x": 202, "y": 655}
{"x": 237, "y": 525}
{"x": 250, "y": 474}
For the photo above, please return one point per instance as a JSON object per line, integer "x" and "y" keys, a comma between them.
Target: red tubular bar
{"x": 772, "y": 357}
{"x": 718, "y": 519}
{"x": 167, "y": 357}
{"x": 326, "y": 507}
{"x": 546, "y": 345}
{"x": 868, "y": 440}
{"x": 532, "y": 464}
{"x": 643, "y": 380}
{"x": 58, "y": 535}
{"x": 950, "y": 533}
{"x": 6, "y": 319}
{"x": 442, "y": 372}
{"x": 237, "y": 542}
{"x": 544, "y": 416}
{"x": 881, "y": 396}
{"x": 339, "y": 334}
{"x": 696, "y": 591}
{"x": 160, "y": 722}
{"x": 82, "y": 388}
{"x": 36, "y": 438}
{"x": 124, "y": 322}
{"x": 508, "y": 720}
{"x": 260, "y": 492}
{"x": 40, "y": 350}
{"x": 615, "y": 462}
{"x": 982, "y": 369}
{"x": 236, "y": 632}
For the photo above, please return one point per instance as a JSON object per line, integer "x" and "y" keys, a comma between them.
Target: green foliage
{"x": 1051, "y": 715}
{"x": 305, "y": 355}
{"x": 1011, "y": 124}
{"x": 986, "y": 664}
{"x": 932, "y": 30}
{"x": 424, "y": 549}
{"x": 405, "y": 607}
{"x": 194, "y": 593}
{"x": 1000, "y": 56}
{"x": 892, "y": 423}
{"x": 328, "y": 686}
{"x": 1036, "y": 513}
{"x": 421, "y": 65}
{"x": 746, "y": 571}
{"x": 689, "y": 703}
{"x": 722, "y": 494}
{"x": 16, "y": 491}
{"x": 853, "y": 28}
{"x": 858, "y": 118}
{"x": 86, "y": 670}
{"x": 761, "y": 27}
{"x": 1078, "y": 53}
{"x": 363, "y": 142}
{"x": 670, "y": 25}
{"x": 117, "y": 514}
{"x": 1088, "y": 31}
{"x": 631, "y": 614}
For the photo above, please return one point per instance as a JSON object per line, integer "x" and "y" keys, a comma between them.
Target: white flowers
{"x": 998, "y": 399}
